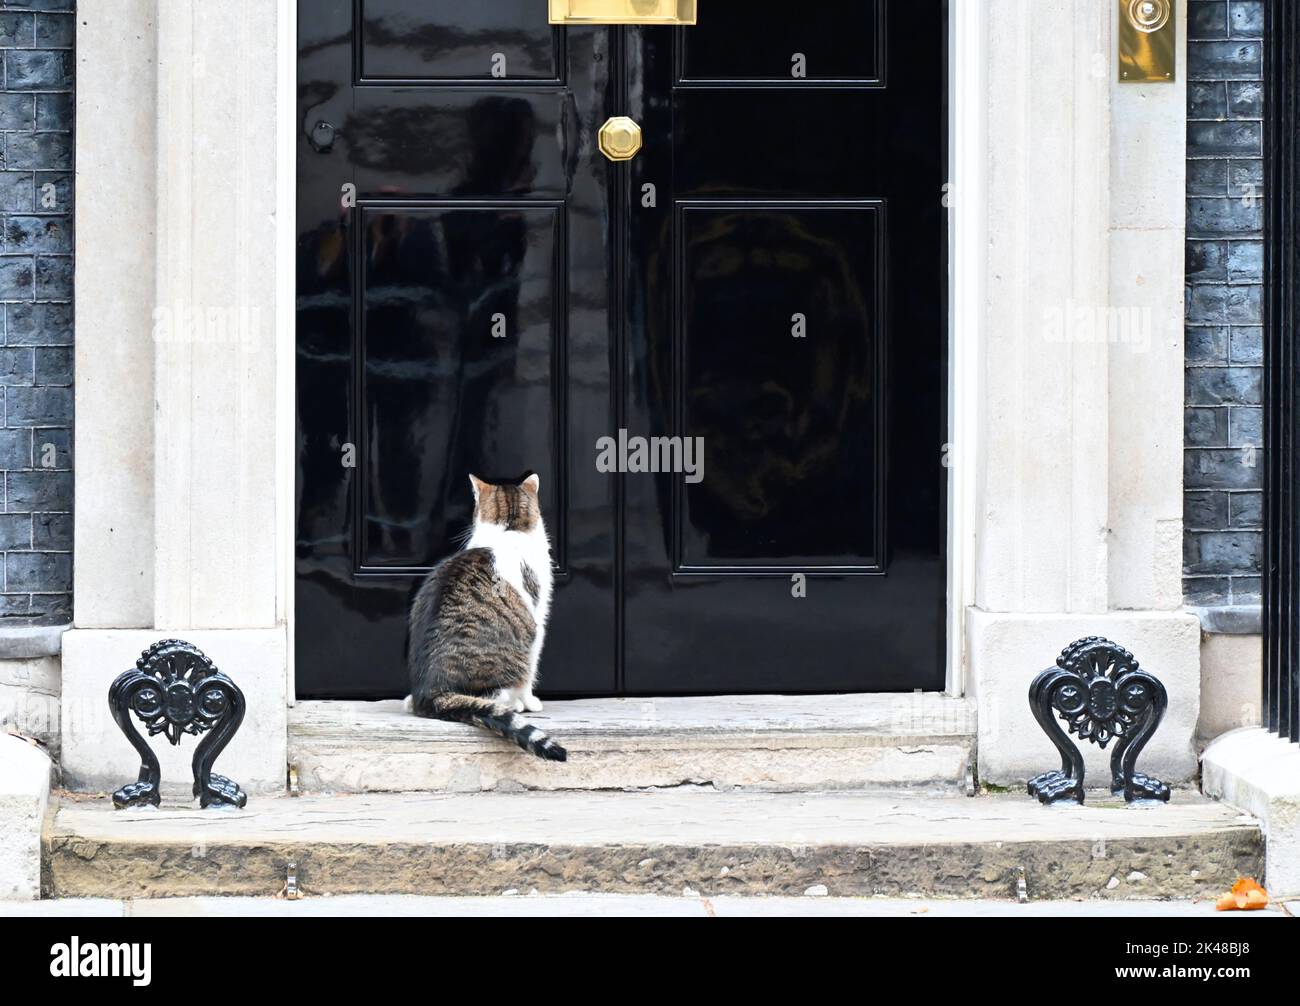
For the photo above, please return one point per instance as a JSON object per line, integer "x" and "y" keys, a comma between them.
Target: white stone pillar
{"x": 180, "y": 269}
{"x": 116, "y": 204}
{"x": 214, "y": 432}
{"x": 1148, "y": 228}
{"x": 1046, "y": 432}
{"x": 1079, "y": 521}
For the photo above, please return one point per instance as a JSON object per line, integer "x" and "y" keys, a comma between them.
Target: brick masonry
{"x": 1222, "y": 463}
{"x": 36, "y": 227}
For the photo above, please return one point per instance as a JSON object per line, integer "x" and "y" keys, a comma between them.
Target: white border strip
{"x": 285, "y": 323}
{"x": 966, "y": 132}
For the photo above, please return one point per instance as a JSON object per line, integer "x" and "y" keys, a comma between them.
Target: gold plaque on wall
{"x": 651, "y": 12}
{"x": 1148, "y": 36}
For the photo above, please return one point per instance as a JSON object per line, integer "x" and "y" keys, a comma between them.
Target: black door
{"x": 479, "y": 289}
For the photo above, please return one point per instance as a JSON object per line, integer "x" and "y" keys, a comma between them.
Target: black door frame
{"x": 1281, "y": 581}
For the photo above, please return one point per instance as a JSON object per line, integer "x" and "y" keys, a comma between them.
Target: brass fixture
{"x": 619, "y": 138}
{"x": 651, "y": 12}
{"x": 1147, "y": 41}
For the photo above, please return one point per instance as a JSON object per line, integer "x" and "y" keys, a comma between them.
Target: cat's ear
{"x": 478, "y": 485}
{"x": 532, "y": 484}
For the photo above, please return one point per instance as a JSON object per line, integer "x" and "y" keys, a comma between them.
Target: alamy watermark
{"x": 651, "y": 454}
{"x": 220, "y": 326}
{"x": 1087, "y": 323}
{"x": 75, "y": 959}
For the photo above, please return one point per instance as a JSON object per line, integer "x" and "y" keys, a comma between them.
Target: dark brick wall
{"x": 36, "y": 116}
{"x": 1223, "y": 462}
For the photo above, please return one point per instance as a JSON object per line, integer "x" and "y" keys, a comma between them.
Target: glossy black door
{"x": 767, "y": 275}
{"x": 453, "y": 316}
{"x": 787, "y": 307}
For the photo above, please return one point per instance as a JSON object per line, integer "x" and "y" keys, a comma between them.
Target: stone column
{"x": 190, "y": 387}
{"x": 1079, "y": 521}
{"x": 116, "y": 148}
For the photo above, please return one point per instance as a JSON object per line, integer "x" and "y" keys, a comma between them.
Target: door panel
{"x": 810, "y": 557}
{"x": 452, "y": 317}
{"x": 767, "y": 275}
{"x": 445, "y": 141}
{"x": 461, "y": 332}
{"x": 739, "y": 45}
{"x": 504, "y": 41}
{"x": 777, "y": 411}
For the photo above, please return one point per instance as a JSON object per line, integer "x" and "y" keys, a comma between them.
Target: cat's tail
{"x": 493, "y": 717}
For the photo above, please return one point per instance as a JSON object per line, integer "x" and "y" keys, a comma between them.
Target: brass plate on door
{"x": 651, "y": 12}
{"x": 1148, "y": 37}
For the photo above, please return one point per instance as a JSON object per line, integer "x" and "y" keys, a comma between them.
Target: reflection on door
{"x": 481, "y": 290}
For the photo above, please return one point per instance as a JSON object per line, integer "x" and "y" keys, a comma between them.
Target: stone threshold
{"x": 663, "y": 843}
{"x": 777, "y": 742}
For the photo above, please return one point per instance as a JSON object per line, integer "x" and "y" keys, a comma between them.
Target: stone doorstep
{"x": 666, "y": 842}
{"x": 781, "y": 743}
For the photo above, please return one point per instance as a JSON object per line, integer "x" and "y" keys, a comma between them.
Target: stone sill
{"x": 23, "y": 642}
{"x": 1230, "y": 619}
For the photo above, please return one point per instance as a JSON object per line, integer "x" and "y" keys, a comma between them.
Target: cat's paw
{"x": 532, "y": 703}
{"x": 408, "y": 704}
{"x": 519, "y": 705}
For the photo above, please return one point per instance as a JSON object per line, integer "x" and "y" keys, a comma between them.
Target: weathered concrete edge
{"x": 1189, "y": 865}
{"x": 888, "y": 718}
{"x": 1258, "y": 772}
{"x": 24, "y": 642}
{"x": 1230, "y": 619}
{"x": 24, "y": 801}
{"x": 598, "y": 739}
{"x": 936, "y": 769}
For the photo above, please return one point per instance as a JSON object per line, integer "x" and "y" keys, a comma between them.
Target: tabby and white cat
{"x": 478, "y": 621}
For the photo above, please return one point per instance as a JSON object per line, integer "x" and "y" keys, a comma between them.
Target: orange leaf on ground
{"x": 1246, "y": 896}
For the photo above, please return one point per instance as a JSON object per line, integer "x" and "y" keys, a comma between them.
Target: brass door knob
{"x": 619, "y": 138}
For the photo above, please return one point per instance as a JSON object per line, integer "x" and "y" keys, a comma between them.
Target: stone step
{"x": 622, "y": 906}
{"x": 679, "y": 842}
{"x": 782, "y": 743}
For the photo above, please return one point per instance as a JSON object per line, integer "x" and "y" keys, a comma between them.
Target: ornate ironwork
{"x": 174, "y": 689}
{"x": 1102, "y": 695}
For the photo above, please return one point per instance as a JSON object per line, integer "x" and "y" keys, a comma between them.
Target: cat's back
{"x": 465, "y": 592}
{"x": 458, "y": 580}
